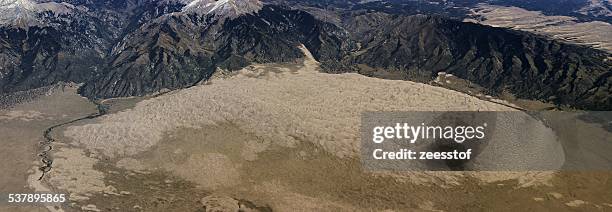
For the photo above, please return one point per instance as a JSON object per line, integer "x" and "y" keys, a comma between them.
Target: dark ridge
{"x": 178, "y": 51}
{"x": 530, "y": 66}
{"x": 144, "y": 50}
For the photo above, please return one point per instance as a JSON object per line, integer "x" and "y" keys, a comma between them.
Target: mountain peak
{"x": 25, "y": 12}
{"x": 223, "y": 8}
{"x": 18, "y": 12}
{"x": 5, "y": 4}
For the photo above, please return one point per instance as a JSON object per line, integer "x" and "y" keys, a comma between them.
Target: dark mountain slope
{"x": 65, "y": 48}
{"x": 179, "y": 50}
{"x": 527, "y": 65}
{"x": 72, "y": 46}
{"x": 140, "y": 50}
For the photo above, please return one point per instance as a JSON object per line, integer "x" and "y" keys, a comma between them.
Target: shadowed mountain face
{"x": 180, "y": 50}
{"x": 157, "y": 46}
{"x": 71, "y": 45}
{"x": 527, "y": 65}
{"x": 43, "y": 56}
{"x": 65, "y": 47}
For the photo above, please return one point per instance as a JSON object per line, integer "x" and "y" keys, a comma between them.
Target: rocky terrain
{"x": 529, "y": 66}
{"x": 597, "y": 8}
{"x": 223, "y": 8}
{"x": 137, "y": 48}
{"x": 179, "y": 50}
{"x": 47, "y": 45}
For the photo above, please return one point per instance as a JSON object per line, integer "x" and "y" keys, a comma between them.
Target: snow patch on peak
{"x": 24, "y": 13}
{"x": 223, "y": 8}
{"x": 19, "y": 12}
{"x": 16, "y": 4}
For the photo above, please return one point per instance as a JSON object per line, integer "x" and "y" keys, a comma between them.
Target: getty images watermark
{"x": 485, "y": 141}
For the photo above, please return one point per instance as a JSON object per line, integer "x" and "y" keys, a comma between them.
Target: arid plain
{"x": 280, "y": 137}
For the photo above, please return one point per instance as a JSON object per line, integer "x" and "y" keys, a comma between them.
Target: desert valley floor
{"x": 273, "y": 137}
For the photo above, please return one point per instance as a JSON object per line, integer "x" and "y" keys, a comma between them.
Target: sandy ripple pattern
{"x": 280, "y": 105}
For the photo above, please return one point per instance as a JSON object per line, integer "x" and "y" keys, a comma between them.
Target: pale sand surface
{"x": 284, "y": 107}
{"x": 281, "y": 137}
{"x": 596, "y": 34}
{"x": 22, "y": 126}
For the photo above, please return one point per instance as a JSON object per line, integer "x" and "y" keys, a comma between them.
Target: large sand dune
{"x": 281, "y": 105}
{"x": 281, "y": 135}
{"x": 287, "y": 107}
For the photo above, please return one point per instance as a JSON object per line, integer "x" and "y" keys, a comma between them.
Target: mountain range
{"x": 137, "y": 47}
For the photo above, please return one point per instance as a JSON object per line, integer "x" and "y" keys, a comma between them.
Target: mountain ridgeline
{"x": 527, "y": 65}
{"x": 183, "y": 49}
{"x": 161, "y": 46}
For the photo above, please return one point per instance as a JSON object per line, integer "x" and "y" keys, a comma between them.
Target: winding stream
{"x": 47, "y": 146}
